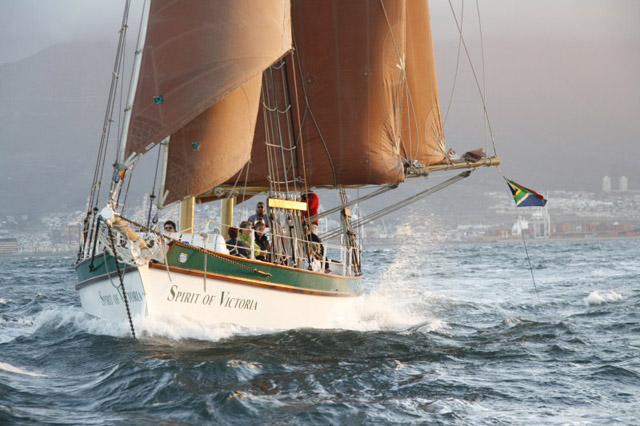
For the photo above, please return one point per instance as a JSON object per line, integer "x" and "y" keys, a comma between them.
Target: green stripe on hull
{"x": 297, "y": 278}
{"x": 86, "y": 271}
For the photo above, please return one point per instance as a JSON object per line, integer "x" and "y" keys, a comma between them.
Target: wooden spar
{"x": 415, "y": 172}
{"x": 485, "y": 162}
{"x": 226, "y": 215}
{"x": 187, "y": 213}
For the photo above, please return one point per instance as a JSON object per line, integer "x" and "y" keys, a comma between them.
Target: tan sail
{"x": 195, "y": 53}
{"x": 361, "y": 114}
{"x": 213, "y": 146}
{"x": 422, "y": 129}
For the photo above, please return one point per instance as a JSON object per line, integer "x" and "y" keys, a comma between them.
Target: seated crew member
{"x": 262, "y": 241}
{"x": 315, "y": 249}
{"x": 245, "y": 236}
{"x": 261, "y": 214}
{"x": 235, "y": 246}
{"x": 170, "y": 226}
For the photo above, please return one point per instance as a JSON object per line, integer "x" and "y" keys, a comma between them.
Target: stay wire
{"x": 153, "y": 188}
{"x": 307, "y": 109}
{"x": 455, "y": 75}
{"x": 484, "y": 79}
{"x": 475, "y": 76}
{"x": 96, "y": 184}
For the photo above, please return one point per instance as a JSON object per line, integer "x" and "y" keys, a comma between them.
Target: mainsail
{"x": 364, "y": 73}
{"x": 199, "y": 53}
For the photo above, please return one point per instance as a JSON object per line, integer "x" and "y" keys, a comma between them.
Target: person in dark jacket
{"x": 261, "y": 215}
{"x": 315, "y": 248}
{"x": 235, "y": 246}
{"x": 262, "y": 241}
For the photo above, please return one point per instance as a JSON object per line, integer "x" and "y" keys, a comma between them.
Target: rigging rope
{"x": 401, "y": 62}
{"x": 307, "y": 109}
{"x": 455, "y": 75}
{"x": 96, "y": 184}
{"x": 475, "y": 76}
{"x": 153, "y": 188}
{"x": 299, "y": 139}
{"x": 484, "y": 83}
{"x": 389, "y": 209}
{"x": 375, "y": 193}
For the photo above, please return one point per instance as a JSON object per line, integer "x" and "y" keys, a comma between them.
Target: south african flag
{"x": 525, "y": 197}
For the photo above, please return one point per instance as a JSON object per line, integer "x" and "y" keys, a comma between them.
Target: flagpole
{"x": 524, "y": 241}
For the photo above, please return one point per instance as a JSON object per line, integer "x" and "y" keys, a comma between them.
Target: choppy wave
{"x": 12, "y": 369}
{"x": 444, "y": 334}
{"x": 595, "y": 298}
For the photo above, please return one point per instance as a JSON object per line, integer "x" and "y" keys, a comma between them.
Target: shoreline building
{"x": 8, "y": 246}
{"x": 606, "y": 184}
{"x": 623, "y": 184}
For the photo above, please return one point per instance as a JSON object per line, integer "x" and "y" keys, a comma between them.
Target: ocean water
{"x": 446, "y": 334}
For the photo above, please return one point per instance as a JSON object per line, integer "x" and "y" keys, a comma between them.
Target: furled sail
{"x": 366, "y": 88}
{"x": 196, "y": 54}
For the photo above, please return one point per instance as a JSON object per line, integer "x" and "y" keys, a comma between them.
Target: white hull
{"x": 155, "y": 293}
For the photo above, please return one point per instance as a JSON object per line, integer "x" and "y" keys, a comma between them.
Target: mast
{"x": 137, "y": 64}
{"x": 226, "y": 215}
{"x": 187, "y": 214}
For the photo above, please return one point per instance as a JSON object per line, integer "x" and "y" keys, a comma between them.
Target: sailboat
{"x": 275, "y": 98}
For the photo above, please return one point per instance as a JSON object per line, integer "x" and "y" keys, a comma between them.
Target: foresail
{"x": 196, "y": 52}
{"x": 422, "y": 129}
{"x": 366, "y": 90}
{"x": 196, "y": 160}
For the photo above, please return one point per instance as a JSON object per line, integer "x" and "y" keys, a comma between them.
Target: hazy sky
{"x": 27, "y": 26}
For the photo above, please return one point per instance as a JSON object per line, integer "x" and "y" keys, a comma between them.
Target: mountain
{"x": 51, "y": 111}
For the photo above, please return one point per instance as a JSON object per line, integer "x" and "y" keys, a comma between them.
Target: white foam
{"x": 397, "y": 300}
{"x": 170, "y": 326}
{"x": 178, "y": 327}
{"x": 12, "y": 369}
{"x": 3, "y": 301}
{"x": 595, "y": 298}
{"x": 374, "y": 312}
{"x": 382, "y": 311}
